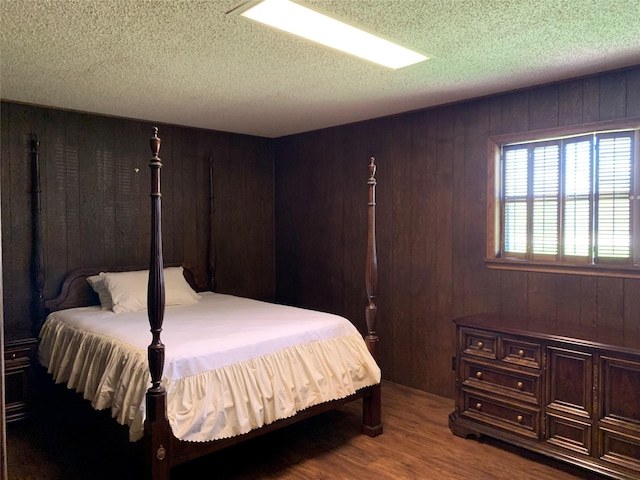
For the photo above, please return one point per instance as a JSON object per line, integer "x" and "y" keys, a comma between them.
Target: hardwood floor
{"x": 416, "y": 444}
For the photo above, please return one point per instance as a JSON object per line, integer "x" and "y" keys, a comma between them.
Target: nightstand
{"x": 18, "y": 358}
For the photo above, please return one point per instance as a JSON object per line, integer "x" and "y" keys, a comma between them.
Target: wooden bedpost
{"x": 38, "y": 309}
{"x": 371, "y": 269}
{"x": 212, "y": 258}
{"x": 157, "y": 431}
{"x": 371, "y": 406}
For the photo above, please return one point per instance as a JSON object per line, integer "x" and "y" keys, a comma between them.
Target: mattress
{"x": 232, "y": 364}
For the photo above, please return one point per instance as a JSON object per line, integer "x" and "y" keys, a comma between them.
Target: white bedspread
{"x": 231, "y": 364}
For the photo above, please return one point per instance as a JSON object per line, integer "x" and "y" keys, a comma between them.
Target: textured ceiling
{"x": 188, "y": 63}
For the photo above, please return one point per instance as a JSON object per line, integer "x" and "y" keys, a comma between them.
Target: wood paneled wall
{"x": 96, "y": 207}
{"x": 432, "y": 187}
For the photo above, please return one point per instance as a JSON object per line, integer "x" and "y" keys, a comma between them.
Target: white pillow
{"x": 128, "y": 290}
{"x": 177, "y": 289}
{"x": 97, "y": 283}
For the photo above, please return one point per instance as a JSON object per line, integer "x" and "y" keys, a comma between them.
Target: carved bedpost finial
{"x": 154, "y": 143}
{"x": 372, "y": 169}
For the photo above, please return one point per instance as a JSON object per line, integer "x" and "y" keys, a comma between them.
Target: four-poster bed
{"x": 250, "y": 389}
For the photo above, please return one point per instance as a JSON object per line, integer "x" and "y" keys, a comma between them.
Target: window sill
{"x": 568, "y": 269}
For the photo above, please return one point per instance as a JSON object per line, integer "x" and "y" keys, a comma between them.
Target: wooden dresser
{"x": 570, "y": 399}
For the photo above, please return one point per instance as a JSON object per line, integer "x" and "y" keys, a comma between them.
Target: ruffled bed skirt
{"x": 215, "y": 404}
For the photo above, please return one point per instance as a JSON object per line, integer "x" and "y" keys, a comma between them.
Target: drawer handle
{"x": 521, "y": 353}
{"x": 14, "y": 356}
{"x": 480, "y": 345}
{"x": 478, "y": 406}
{"x": 519, "y": 385}
{"x": 519, "y": 418}
{"x": 479, "y": 375}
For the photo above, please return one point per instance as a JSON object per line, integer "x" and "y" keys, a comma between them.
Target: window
{"x": 568, "y": 201}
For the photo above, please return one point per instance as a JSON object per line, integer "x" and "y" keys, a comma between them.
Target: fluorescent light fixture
{"x": 305, "y": 22}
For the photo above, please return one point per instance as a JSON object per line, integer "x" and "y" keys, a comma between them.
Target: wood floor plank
{"x": 416, "y": 444}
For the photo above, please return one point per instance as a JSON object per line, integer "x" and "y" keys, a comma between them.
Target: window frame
{"x": 493, "y": 257}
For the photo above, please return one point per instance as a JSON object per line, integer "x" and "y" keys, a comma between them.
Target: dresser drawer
{"x": 17, "y": 356}
{"x": 513, "y": 383}
{"x": 479, "y": 344}
{"x": 622, "y": 450}
{"x": 520, "y": 352}
{"x": 520, "y": 420}
{"x": 569, "y": 433}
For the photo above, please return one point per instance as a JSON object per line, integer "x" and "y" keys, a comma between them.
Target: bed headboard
{"x": 76, "y": 291}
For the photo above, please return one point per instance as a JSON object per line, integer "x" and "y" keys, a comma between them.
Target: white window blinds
{"x": 613, "y": 197}
{"x": 544, "y": 228}
{"x": 569, "y": 199}
{"x": 578, "y": 185}
{"x": 516, "y": 175}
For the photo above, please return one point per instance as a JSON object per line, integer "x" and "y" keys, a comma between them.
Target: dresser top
{"x": 494, "y": 323}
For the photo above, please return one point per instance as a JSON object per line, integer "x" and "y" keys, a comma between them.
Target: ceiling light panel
{"x": 308, "y": 23}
